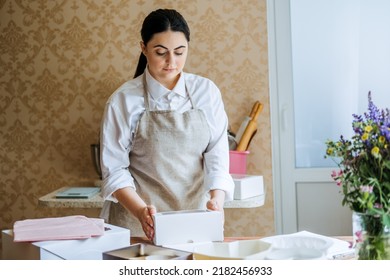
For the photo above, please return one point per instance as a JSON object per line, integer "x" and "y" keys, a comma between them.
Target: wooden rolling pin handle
{"x": 255, "y": 108}
{"x": 258, "y": 111}
{"x": 246, "y": 137}
{"x": 249, "y": 131}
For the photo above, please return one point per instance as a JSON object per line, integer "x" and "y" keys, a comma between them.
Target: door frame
{"x": 285, "y": 175}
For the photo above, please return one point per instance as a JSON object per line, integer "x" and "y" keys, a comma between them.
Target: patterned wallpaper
{"x": 59, "y": 62}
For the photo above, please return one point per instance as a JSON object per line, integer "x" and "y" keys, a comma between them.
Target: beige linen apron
{"x": 166, "y": 162}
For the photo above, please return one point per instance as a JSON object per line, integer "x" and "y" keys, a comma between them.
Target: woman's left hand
{"x": 216, "y": 202}
{"x": 213, "y": 205}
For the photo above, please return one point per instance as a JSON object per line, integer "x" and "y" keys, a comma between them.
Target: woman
{"x": 169, "y": 129}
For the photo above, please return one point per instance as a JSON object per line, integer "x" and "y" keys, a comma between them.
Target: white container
{"x": 188, "y": 226}
{"x": 236, "y": 250}
{"x": 83, "y": 249}
{"x": 247, "y": 186}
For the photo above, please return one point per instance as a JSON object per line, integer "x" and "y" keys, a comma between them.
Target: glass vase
{"x": 371, "y": 237}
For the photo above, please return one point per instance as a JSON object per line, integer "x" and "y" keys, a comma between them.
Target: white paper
{"x": 337, "y": 247}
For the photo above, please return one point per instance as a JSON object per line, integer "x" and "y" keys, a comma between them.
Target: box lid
{"x": 114, "y": 237}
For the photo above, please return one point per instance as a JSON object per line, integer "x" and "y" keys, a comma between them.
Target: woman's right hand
{"x": 129, "y": 198}
{"x": 146, "y": 220}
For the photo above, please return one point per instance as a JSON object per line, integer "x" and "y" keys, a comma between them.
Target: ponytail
{"x": 141, "y": 65}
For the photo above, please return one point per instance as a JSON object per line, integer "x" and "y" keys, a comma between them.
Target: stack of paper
{"x": 62, "y": 228}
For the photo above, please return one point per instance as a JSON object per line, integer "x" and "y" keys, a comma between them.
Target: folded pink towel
{"x": 69, "y": 227}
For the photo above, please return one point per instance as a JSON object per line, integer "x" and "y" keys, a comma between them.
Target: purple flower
{"x": 367, "y": 189}
{"x": 357, "y": 120}
{"x": 365, "y": 158}
{"x": 385, "y": 128}
{"x": 374, "y": 113}
{"x": 359, "y": 236}
{"x": 378, "y": 206}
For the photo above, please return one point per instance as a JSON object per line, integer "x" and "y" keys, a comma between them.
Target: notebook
{"x": 78, "y": 192}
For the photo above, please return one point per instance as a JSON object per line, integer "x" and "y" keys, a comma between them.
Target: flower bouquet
{"x": 364, "y": 178}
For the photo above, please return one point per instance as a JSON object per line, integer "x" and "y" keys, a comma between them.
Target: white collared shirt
{"x": 123, "y": 111}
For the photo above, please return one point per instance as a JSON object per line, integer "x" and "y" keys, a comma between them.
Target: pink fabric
{"x": 69, "y": 227}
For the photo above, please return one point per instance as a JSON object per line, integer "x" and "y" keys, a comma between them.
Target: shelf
{"x": 97, "y": 201}
{"x": 50, "y": 200}
{"x": 252, "y": 202}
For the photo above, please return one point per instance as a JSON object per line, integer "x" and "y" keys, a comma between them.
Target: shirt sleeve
{"x": 216, "y": 157}
{"x": 114, "y": 151}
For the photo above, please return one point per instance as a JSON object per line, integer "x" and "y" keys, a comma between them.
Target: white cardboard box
{"x": 237, "y": 250}
{"x": 246, "y": 186}
{"x": 84, "y": 249}
{"x": 188, "y": 226}
{"x": 185, "y": 229}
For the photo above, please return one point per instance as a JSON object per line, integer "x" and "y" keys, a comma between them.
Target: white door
{"x": 324, "y": 57}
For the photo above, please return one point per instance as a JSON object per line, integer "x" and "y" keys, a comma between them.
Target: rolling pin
{"x": 245, "y": 122}
{"x": 250, "y": 129}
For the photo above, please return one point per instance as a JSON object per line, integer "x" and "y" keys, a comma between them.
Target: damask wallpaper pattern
{"x": 59, "y": 62}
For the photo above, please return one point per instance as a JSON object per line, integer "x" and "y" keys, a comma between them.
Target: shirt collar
{"x": 157, "y": 90}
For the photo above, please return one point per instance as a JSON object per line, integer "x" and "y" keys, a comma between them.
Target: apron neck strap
{"x": 146, "y": 95}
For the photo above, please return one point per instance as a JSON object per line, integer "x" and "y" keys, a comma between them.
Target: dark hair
{"x": 158, "y": 21}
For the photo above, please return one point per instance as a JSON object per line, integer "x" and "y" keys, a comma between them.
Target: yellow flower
{"x": 375, "y": 151}
{"x": 365, "y": 136}
{"x": 329, "y": 151}
{"x": 368, "y": 128}
{"x": 382, "y": 139}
